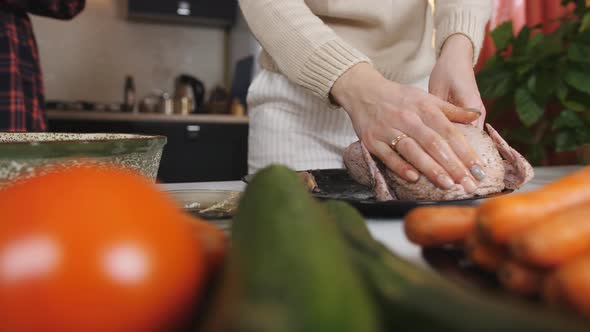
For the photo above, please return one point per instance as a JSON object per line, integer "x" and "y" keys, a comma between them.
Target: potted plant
{"x": 544, "y": 80}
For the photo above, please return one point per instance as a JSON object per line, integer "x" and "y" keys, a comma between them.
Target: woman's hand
{"x": 453, "y": 78}
{"x": 382, "y": 110}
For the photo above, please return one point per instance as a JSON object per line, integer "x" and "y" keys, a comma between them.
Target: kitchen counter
{"x": 144, "y": 117}
{"x": 389, "y": 230}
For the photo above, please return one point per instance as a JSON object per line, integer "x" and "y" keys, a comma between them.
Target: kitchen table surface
{"x": 388, "y": 230}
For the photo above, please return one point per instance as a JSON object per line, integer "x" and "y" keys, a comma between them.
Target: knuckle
{"x": 389, "y": 155}
{"x": 440, "y": 117}
{"x": 433, "y": 142}
{"x": 399, "y": 165}
{"x": 404, "y": 145}
{"x": 434, "y": 172}
{"x": 437, "y": 118}
{"x": 456, "y": 170}
{"x": 425, "y": 105}
{"x": 394, "y": 162}
{"x": 409, "y": 118}
{"x": 452, "y": 133}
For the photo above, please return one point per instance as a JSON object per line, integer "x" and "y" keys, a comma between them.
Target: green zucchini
{"x": 288, "y": 267}
{"x": 414, "y": 299}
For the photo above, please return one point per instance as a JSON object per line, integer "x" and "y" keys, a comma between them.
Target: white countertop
{"x": 388, "y": 230}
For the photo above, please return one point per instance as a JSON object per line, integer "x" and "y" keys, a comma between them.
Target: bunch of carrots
{"x": 538, "y": 242}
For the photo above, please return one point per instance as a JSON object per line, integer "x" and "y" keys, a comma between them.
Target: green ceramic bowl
{"x": 24, "y": 154}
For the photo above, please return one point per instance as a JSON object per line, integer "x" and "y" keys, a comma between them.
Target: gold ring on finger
{"x": 396, "y": 140}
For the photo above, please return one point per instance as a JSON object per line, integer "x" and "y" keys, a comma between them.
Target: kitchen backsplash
{"x": 88, "y": 58}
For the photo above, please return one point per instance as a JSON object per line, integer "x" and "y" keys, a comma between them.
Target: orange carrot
{"x": 574, "y": 278}
{"x": 499, "y": 219}
{"x": 563, "y": 237}
{"x": 438, "y": 225}
{"x": 520, "y": 279}
{"x": 487, "y": 256}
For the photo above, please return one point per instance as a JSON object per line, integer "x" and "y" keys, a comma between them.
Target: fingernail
{"x": 469, "y": 185}
{"x": 445, "y": 181}
{"x": 472, "y": 110}
{"x": 478, "y": 172}
{"x": 412, "y": 176}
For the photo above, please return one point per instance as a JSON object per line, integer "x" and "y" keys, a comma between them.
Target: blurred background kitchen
{"x": 174, "y": 68}
{"x": 181, "y": 68}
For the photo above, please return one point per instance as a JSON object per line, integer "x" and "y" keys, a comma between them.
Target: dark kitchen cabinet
{"x": 195, "y": 152}
{"x": 221, "y": 13}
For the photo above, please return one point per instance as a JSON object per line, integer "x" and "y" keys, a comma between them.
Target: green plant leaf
{"x": 551, "y": 46}
{"x": 562, "y": 91}
{"x": 583, "y": 135}
{"x": 534, "y": 42}
{"x": 543, "y": 84}
{"x": 578, "y": 52}
{"x": 532, "y": 83}
{"x": 578, "y": 80}
{"x": 574, "y": 105}
{"x": 520, "y": 135}
{"x": 567, "y": 119}
{"x": 565, "y": 140}
{"x": 536, "y": 154}
{"x": 566, "y": 30}
{"x": 492, "y": 63}
{"x": 502, "y": 35}
{"x": 494, "y": 84}
{"x": 524, "y": 69}
{"x": 583, "y": 36}
{"x": 521, "y": 41}
{"x": 585, "y": 23}
{"x": 573, "y": 99}
{"x": 527, "y": 108}
{"x": 501, "y": 105}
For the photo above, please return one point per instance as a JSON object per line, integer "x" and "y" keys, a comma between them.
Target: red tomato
{"x": 94, "y": 250}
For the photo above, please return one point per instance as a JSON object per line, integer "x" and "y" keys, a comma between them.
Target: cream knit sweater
{"x": 313, "y": 42}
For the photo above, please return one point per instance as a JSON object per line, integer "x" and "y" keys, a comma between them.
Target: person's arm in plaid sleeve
{"x": 60, "y": 9}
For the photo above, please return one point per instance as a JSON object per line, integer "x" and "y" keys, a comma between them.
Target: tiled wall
{"x": 88, "y": 58}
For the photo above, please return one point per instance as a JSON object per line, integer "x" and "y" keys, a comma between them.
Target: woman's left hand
{"x": 453, "y": 78}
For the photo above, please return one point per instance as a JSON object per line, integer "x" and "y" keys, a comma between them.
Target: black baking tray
{"x": 336, "y": 184}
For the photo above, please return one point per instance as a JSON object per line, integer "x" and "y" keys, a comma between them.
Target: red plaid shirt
{"x": 22, "y": 103}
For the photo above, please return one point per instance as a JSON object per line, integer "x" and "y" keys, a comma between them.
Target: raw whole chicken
{"x": 504, "y": 166}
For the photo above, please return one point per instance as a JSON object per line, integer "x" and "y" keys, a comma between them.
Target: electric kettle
{"x": 189, "y": 92}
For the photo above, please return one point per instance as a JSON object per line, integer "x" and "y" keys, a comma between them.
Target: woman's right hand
{"x": 382, "y": 110}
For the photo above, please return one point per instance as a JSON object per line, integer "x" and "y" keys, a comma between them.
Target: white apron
{"x": 292, "y": 127}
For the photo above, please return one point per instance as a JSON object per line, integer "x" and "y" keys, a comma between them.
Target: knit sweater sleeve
{"x": 467, "y": 17}
{"x": 306, "y": 50}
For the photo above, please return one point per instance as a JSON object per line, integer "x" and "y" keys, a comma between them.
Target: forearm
{"x": 306, "y": 50}
{"x": 361, "y": 79}
{"x": 61, "y": 9}
{"x": 458, "y": 47}
{"x": 465, "y": 17}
